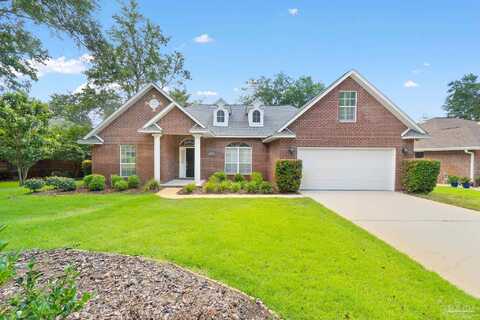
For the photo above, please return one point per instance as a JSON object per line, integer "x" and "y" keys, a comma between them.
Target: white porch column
{"x": 156, "y": 156}
{"x": 198, "y": 167}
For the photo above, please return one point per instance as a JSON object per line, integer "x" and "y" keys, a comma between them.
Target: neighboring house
{"x": 349, "y": 137}
{"x": 455, "y": 143}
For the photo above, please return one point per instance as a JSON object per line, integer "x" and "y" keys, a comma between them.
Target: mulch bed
{"x": 126, "y": 287}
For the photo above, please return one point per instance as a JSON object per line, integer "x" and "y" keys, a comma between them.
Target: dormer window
{"x": 255, "y": 117}
{"x": 220, "y": 116}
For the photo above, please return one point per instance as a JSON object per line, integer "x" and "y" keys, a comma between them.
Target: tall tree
{"x": 23, "y": 131}
{"x": 21, "y": 50}
{"x": 281, "y": 90}
{"x": 133, "y": 55}
{"x": 463, "y": 100}
{"x": 86, "y": 106}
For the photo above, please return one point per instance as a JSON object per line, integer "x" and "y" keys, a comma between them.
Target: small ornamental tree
{"x": 288, "y": 175}
{"x": 420, "y": 176}
{"x": 23, "y": 131}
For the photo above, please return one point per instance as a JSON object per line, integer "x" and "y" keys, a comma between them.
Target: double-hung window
{"x": 347, "y": 110}
{"x": 238, "y": 159}
{"x": 128, "y": 160}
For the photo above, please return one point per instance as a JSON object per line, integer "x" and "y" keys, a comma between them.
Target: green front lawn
{"x": 466, "y": 198}
{"x": 301, "y": 259}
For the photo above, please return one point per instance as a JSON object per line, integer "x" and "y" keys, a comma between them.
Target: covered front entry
{"x": 177, "y": 159}
{"x": 186, "y": 159}
{"x": 348, "y": 168}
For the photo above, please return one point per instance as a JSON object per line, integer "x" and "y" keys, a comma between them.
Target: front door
{"x": 190, "y": 162}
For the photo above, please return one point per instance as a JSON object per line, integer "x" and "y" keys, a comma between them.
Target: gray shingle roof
{"x": 450, "y": 133}
{"x": 274, "y": 118}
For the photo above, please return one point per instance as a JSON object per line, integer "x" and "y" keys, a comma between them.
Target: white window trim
{"x": 220, "y": 124}
{"x": 355, "y": 107}
{"x": 129, "y": 163}
{"x": 250, "y": 118}
{"x": 238, "y": 161}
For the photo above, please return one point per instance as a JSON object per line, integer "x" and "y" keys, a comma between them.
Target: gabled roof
{"x": 387, "y": 103}
{"x": 450, "y": 134}
{"x": 129, "y": 103}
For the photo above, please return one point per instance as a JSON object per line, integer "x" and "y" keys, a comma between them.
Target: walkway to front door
{"x": 441, "y": 237}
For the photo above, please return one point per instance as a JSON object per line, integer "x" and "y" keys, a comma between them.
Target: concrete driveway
{"x": 443, "y": 238}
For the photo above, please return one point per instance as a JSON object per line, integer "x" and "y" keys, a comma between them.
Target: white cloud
{"x": 63, "y": 65}
{"x": 113, "y": 86}
{"x": 236, "y": 89}
{"x": 203, "y": 38}
{"x": 207, "y": 93}
{"x": 410, "y": 84}
{"x": 293, "y": 11}
{"x": 426, "y": 64}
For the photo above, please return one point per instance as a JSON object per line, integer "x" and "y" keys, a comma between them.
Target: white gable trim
{"x": 129, "y": 103}
{"x": 387, "y": 103}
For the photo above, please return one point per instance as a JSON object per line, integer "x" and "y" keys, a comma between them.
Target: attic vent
{"x": 154, "y": 104}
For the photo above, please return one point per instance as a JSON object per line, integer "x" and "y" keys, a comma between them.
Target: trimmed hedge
{"x": 114, "y": 178}
{"x": 97, "y": 183}
{"x": 133, "y": 182}
{"x": 87, "y": 179}
{"x": 288, "y": 175}
{"x": 420, "y": 176}
{"x": 120, "y": 185}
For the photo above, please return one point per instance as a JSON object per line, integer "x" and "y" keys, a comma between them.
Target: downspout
{"x": 472, "y": 164}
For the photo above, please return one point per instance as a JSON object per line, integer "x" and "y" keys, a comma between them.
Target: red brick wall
{"x": 213, "y": 155}
{"x": 123, "y": 130}
{"x": 456, "y": 163}
{"x": 319, "y": 127}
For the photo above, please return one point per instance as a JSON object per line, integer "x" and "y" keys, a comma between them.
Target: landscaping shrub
{"x": 189, "y": 188}
{"x": 256, "y": 177}
{"x": 238, "y": 177}
{"x": 52, "y": 181}
{"x": 477, "y": 181}
{"x": 218, "y": 176}
{"x": 97, "y": 183}
{"x": 288, "y": 175}
{"x": 114, "y": 178}
{"x": 133, "y": 182}
{"x": 87, "y": 167}
{"x": 34, "y": 184}
{"x": 465, "y": 181}
{"x": 7, "y": 262}
{"x": 236, "y": 187}
{"x": 265, "y": 187}
{"x": 120, "y": 185}
{"x": 58, "y": 299}
{"x": 420, "y": 176}
{"x": 65, "y": 184}
{"x": 211, "y": 187}
{"x": 151, "y": 185}
{"x": 61, "y": 183}
{"x": 252, "y": 187}
{"x": 453, "y": 179}
{"x": 87, "y": 179}
{"x": 225, "y": 186}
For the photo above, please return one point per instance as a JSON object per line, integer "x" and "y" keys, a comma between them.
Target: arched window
{"x": 220, "y": 116}
{"x": 256, "y": 116}
{"x": 238, "y": 158}
{"x": 187, "y": 143}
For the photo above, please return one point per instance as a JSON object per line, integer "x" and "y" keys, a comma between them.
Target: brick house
{"x": 455, "y": 143}
{"x": 349, "y": 137}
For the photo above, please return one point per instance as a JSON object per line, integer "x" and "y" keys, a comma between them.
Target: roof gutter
{"x": 472, "y": 164}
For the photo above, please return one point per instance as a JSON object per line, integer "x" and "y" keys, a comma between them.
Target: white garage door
{"x": 347, "y": 169}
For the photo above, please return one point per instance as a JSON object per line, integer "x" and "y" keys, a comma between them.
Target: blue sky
{"x": 410, "y": 50}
